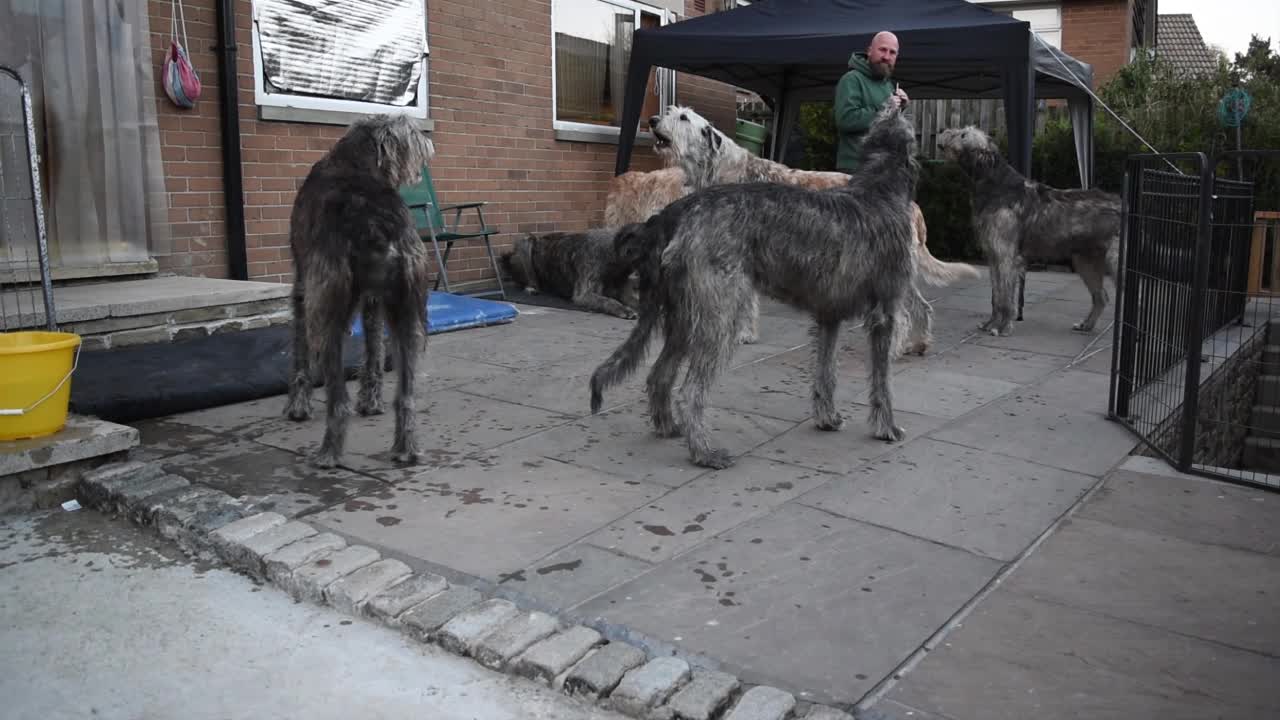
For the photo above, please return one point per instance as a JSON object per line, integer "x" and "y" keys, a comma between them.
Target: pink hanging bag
{"x": 179, "y": 78}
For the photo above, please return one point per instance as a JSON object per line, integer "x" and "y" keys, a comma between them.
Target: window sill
{"x": 274, "y": 113}
{"x": 602, "y": 136}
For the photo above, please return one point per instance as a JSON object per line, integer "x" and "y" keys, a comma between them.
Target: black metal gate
{"x": 1186, "y": 324}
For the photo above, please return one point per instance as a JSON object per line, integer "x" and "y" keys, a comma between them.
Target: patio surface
{"x": 821, "y": 562}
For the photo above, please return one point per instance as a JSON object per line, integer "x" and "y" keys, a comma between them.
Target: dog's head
{"x": 630, "y": 244}
{"x": 400, "y": 148}
{"x": 969, "y": 146}
{"x": 891, "y": 136}
{"x": 683, "y": 136}
{"x": 518, "y": 261}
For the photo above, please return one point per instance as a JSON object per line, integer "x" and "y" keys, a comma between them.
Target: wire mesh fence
{"x": 1193, "y": 371}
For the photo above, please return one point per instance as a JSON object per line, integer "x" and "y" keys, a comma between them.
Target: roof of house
{"x": 1178, "y": 41}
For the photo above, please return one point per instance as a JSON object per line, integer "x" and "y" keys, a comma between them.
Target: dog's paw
{"x": 371, "y": 405}
{"x": 1083, "y": 327}
{"x": 628, "y": 315}
{"x": 891, "y": 434}
{"x": 405, "y": 450}
{"x": 324, "y": 458}
{"x": 747, "y": 337}
{"x": 831, "y": 424}
{"x": 716, "y": 459}
{"x": 298, "y": 410}
{"x": 669, "y": 430}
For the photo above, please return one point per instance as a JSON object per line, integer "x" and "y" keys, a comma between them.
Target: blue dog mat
{"x": 447, "y": 311}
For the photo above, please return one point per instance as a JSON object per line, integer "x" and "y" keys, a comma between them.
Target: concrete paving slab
{"x": 1222, "y": 595}
{"x": 774, "y": 390}
{"x": 269, "y": 478}
{"x": 160, "y": 438}
{"x": 621, "y": 442}
{"x": 942, "y": 393}
{"x": 237, "y": 417}
{"x": 489, "y": 519}
{"x": 516, "y": 347}
{"x": 561, "y": 387}
{"x": 802, "y": 599}
{"x": 845, "y": 450}
{"x": 982, "y": 502}
{"x": 574, "y": 575}
{"x": 1189, "y": 508}
{"x": 1060, "y": 422}
{"x": 450, "y": 425}
{"x": 585, "y": 323}
{"x": 1017, "y": 657}
{"x": 705, "y": 507}
{"x": 1015, "y": 366}
{"x": 1049, "y": 333}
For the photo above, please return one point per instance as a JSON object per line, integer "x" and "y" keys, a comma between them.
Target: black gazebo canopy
{"x": 788, "y": 51}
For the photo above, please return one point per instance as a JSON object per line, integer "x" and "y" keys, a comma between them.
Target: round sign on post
{"x": 1232, "y": 110}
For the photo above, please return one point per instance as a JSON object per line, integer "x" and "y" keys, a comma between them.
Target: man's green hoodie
{"x": 858, "y": 98}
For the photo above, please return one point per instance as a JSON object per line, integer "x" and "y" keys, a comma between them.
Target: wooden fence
{"x": 933, "y": 116}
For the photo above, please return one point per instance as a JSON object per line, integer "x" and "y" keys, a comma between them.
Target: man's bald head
{"x": 882, "y": 53}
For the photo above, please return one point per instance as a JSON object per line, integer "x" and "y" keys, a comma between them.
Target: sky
{"x": 1228, "y": 24}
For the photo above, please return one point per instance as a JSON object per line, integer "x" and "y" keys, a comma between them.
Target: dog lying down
{"x": 577, "y": 266}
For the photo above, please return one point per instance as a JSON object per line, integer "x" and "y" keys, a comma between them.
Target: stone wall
{"x": 1227, "y": 396}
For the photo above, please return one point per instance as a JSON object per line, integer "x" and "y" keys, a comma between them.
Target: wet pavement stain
{"x": 560, "y": 567}
{"x": 388, "y": 521}
{"x": 659, "y": 530}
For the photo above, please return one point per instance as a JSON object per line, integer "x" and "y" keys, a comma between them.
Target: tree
{"x": 1257, "y": 62}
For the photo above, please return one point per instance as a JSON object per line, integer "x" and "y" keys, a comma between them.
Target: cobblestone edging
{"x": 321, "y": 567}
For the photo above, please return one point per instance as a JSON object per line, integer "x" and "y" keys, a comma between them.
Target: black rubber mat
{"x": 145, "y": 381}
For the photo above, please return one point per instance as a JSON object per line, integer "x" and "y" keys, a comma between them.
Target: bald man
{"x": 861, "y": 93}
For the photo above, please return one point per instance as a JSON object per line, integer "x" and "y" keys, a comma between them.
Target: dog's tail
{"x": 638, "y": 245}
{"x": 935, "y": 271}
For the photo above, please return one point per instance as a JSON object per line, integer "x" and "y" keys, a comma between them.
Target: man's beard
{"x": 881, "y": 70}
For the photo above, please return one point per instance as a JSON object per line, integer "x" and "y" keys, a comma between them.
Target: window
{"x": 591, "y": 49}
{"x": 352, "y": 57}
{"x": 1045, "y": 18}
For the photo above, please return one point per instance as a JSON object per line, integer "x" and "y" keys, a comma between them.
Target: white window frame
{"x": 419, "y": 108}
{"x": 1014, "y": 7}
{"x": 664, "y": 78}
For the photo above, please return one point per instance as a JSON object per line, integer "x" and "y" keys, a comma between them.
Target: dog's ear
{"x": 714, "y": 141}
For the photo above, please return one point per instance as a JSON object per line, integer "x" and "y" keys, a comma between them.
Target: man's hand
{"x": 900, "y": 98}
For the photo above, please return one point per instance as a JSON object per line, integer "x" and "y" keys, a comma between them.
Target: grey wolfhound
{"x": 355, "y": 247}
{"x": 708, "y": 157}
{"x": 577, "y": 266}
{"x": 838, "y": 253}
{"x": 1016, "y": 218}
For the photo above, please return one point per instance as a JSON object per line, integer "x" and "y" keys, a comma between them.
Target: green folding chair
{"x": 428, "y": 216}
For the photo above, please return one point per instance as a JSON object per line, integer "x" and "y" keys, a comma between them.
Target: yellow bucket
{"x": 35, "y": 382}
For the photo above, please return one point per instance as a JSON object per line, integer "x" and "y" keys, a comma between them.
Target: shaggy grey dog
{"x": 355, "y": 248}
{"x": 577, "y": 266}
{"x": 838, "y": 253}
{"x": 709, "y": 157}
{"x": 1016, "y": 218}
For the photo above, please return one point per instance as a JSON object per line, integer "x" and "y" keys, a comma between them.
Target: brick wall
{"x": 490, "y": 84}
{"x": 1098, "y": 32}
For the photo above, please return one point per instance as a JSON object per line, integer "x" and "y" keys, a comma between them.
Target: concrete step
{"x": 1262, "y": 454}
{"x": 1270, "y": 360}
{"x": 1264, "y": 421}
{"x": 1268, "y": 392}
